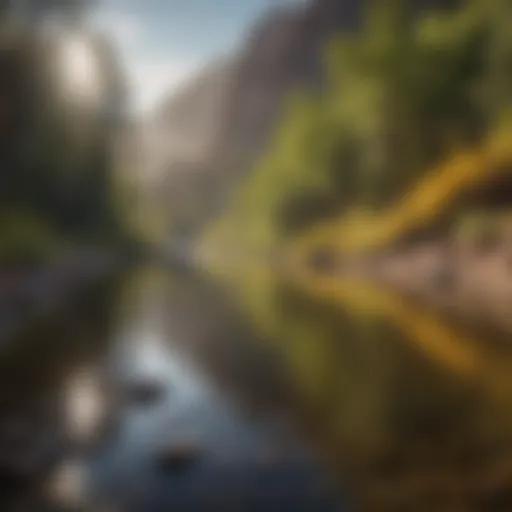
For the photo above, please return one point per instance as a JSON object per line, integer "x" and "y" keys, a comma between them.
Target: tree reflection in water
{"x": 417, "y": 408}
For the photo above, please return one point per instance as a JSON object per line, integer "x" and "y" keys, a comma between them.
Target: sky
{"x": 162, "y": 42}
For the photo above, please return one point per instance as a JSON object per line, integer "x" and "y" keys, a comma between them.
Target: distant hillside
{"x": 207, "y": 136}
{"x": 183, "y": 127}
{"x": 282, "y": 54}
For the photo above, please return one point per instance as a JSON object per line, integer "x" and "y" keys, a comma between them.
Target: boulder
{"x": 178, "y": 455}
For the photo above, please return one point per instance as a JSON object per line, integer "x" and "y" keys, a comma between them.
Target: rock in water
{"x": 144, "y": 391}
{"x": 178, "y": 456}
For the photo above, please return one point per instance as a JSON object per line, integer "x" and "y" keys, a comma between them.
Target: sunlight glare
{"x": 81, "y": 76}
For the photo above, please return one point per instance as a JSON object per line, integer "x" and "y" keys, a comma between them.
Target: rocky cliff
{"x": 212, "y": 130}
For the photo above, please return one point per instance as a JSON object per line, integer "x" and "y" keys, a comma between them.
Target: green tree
{"x": 400, "y": 94}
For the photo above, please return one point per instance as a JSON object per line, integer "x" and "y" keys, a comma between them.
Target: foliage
{"x": 58, "y": 168}
{"x": 399, "y": 97}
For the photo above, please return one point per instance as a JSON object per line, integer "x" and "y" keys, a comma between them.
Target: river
{"x": 283, "y": 402}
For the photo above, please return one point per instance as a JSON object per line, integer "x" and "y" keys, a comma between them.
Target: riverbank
{"x": 27, "y": 295}
{"x": 474, "y": 284}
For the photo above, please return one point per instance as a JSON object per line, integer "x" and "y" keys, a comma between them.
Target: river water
{"x": 257, "y": 401}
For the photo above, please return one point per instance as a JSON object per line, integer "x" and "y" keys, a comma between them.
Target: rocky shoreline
{"x": 472, "y": 283}
{"x": 32, "y": 294}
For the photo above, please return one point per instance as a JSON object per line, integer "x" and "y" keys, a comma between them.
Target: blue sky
{"x": 162, "y": 42}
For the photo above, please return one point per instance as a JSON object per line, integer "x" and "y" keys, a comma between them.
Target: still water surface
{"x": 293, "y": 405}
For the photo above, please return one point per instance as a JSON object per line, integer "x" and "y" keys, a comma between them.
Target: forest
{"x": 413, "y": 113}
{"x": 59, "y": 141}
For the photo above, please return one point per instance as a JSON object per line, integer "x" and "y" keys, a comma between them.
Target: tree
{"x": 399, "y": 96}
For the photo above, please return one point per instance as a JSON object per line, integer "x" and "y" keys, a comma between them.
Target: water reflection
{"x": 85, "y": 404}
{"x": 37, "y": 427}
{"x": 66, "y": 487}
{"x": 171, "y": 392}
{"x": 421, "y": 411}
{"x": 184, "y": 337}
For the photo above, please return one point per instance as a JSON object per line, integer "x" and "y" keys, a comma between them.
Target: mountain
{"x": 207, "y": 136}
{"x": 180, "y": 140}
{"x": 282, "y": 54}
{"x": 183, "y": 128}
